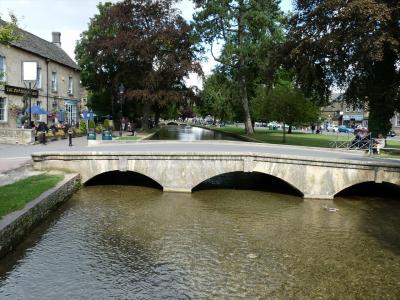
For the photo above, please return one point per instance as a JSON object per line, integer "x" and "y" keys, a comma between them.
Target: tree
{"x": 9, "y": 31}
{"x": 218, "y": 97}
{"x": 285, "y": 103}
{"x": 351, "y": 45}
{"x": 248, "y": 30}
{"x": 146, "y": 46}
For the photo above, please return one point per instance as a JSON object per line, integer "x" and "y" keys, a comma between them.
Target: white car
{"x": 332, "y": 128}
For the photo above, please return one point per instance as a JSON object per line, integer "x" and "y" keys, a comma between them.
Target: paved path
{"x": 18, "y": 154}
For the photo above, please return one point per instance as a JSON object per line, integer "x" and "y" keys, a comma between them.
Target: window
{"x": 398, "y": 120}
{"x": 3, "y": 110}
{"x": 54, "y": 82}
{"x": 70, "y": 85}
{"x": 2, "y": 68}
{"x": 39, "y": 78}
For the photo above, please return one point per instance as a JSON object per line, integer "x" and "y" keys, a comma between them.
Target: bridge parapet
{"x": 180, "y": 172}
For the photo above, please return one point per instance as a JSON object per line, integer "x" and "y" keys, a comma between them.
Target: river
{"x": 136, "y": 242}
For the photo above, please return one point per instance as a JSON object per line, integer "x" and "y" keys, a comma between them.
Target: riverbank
{"x": 23, "y": 209}
{"x": 16, "y": 195}
{"x": 295, "y": 138}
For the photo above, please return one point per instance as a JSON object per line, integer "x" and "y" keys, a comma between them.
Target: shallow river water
{"x": 128, "y": 242}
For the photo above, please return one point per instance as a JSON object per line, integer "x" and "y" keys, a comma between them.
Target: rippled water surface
{"x": 139, "y": 243}
{"x": 189, "y": 133}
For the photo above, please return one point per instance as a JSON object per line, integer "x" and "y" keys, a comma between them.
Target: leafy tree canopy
{"x": 9, "y": 31}
{"x": 351, "y": 45}
{"x": 250, "y": 31}
{"x": 145, "y": 45}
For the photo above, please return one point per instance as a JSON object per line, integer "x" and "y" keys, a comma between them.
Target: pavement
{"x": 15, "y": 160}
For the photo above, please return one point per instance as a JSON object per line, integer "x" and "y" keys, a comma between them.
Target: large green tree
{"x": 249, "y": 31}
{"x": 351, "y": 45}
{"x": 146, "y": 46}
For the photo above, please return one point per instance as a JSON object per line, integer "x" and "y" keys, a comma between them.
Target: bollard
{"x": 70, "y": 137}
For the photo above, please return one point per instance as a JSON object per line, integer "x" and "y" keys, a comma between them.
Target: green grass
{"x": 392, "y": 144}
{"x": 14, "y": 196}
{"x": 128, "y": 138}
{"x": 295, "y": 138}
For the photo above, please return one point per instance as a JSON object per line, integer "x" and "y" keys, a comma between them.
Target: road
{"x": 12, "y": 156}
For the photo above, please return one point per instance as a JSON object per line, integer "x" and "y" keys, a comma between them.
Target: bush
{"x": 99, "y": 129}
{"x": 82, "y": 126}
{"x": 107, "y": 124}
{"x": 60, "y": 133}
{"x": 77, "y": 132}
{"x": 92, "y": 124}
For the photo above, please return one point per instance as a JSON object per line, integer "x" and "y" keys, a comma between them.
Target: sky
{"x": 71, "y": 18}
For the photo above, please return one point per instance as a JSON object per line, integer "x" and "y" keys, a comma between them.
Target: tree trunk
{"x": 156, "y": 117}
{"x": 242, "y": 79}
{"x": 146, "y": 116}
{"x": 284, "y": 132}
{"x": 290, "y": 129}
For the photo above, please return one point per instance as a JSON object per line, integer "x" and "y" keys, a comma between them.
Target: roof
{"x": 34, "y": 44}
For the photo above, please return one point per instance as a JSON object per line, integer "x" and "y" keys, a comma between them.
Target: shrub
{"x": 77, "y": 131}
{"x": 92, "y": 124}
{"x": 82, "y": 126}
{"x": 106, "y": 124}
{"x": 99, "y": 129}
{"x": 60, "y": 133}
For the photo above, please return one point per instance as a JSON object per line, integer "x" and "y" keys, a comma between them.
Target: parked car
{"x": 332, "y": 129}
{"x": 345, "y": 129}
{"x": 391, "y": 134}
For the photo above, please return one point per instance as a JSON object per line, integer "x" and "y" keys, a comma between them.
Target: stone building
{"x": 57, "y": 89}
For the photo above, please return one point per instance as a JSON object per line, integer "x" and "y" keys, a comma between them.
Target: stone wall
{"x": 16, "y": 136}
{"x": 17, "y": 225}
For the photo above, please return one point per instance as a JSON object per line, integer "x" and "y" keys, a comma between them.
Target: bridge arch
{"x": 116, "y": 177}
{"x": 248, "y": 180}
{"x": 371, "y": 188}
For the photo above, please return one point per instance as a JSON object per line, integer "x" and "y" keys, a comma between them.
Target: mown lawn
{"x": 14, "y": 196}
{"x": 128, "y": 138}
{"x": 295, "y": 138}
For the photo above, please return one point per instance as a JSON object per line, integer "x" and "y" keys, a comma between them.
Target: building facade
{"x": 57, "y": 89}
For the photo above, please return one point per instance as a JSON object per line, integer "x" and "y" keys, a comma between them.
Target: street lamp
{"x": 121, "y": 90}
{"x": 29, "y": 75}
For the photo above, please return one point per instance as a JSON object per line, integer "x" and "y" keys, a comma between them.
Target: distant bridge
{"x": 314, "y": 178}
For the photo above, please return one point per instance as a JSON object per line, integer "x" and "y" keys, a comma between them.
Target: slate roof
{"x": 36, "y": 45}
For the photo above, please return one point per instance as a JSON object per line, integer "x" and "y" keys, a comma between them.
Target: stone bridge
{"x": 315, "y": 178}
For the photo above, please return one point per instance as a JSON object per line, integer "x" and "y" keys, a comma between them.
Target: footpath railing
{"x": 357, "y": 143}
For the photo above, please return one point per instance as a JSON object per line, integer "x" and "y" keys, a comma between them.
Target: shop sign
{"x": 15, "y": 90}
{"x": 353, "y": 117}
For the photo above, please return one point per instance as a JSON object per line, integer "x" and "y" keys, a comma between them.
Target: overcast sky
{"x": 71, "y": 17}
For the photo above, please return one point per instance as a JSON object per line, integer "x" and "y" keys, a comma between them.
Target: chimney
{"x": 56, "y": 38}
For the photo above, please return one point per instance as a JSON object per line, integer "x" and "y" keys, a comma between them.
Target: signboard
{"x": 107, "y": 135}
{"x": 91, "y": 136}
{"x": 15, "y": 90}
{"x": 29, "y": 71}
{"x": 353, "y": 117}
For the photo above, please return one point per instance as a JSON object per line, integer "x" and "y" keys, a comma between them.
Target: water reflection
{"x": 139, "y": 243}
{"x": 188, "y": 133}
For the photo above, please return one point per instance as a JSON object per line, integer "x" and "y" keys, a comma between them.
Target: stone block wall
{"x": 16, "y": 136}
